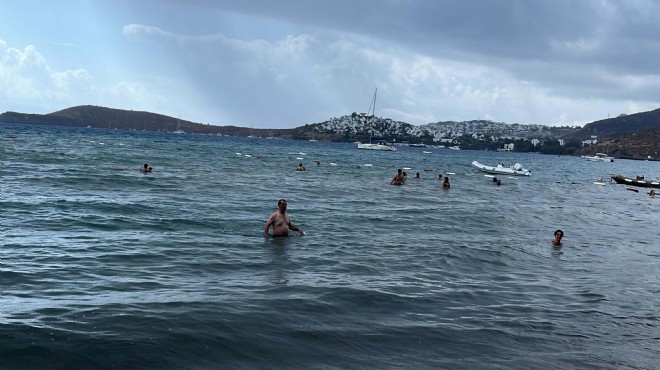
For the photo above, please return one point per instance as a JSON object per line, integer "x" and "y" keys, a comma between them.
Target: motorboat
{"x": 376, "y": 145}
{"x": 599, "y": 157}
{"x": 637, "y": 181}
{"x": 515, "y": 170}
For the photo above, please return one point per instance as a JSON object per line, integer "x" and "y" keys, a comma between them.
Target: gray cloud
{"x": 290, "y": 62}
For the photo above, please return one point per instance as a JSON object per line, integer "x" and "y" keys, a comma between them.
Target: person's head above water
{"x": 558, "y": 235}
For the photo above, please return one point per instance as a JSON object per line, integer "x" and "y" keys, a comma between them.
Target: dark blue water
{"x": 102, "y": 266}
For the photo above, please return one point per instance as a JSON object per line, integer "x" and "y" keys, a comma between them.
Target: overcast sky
{"x": 286, "y": 63}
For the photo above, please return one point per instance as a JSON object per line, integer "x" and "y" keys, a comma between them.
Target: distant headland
{"x": 634, "y": 136}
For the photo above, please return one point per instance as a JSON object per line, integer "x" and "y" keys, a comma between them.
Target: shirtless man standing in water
{"x": 398, "y": 179}
{"x": 280, "y": 221}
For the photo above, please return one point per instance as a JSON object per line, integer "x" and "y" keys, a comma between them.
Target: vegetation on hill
{"x": 638, "y": 145}
{"x": 627, "y": 136}
{"x": 620, "y": 126}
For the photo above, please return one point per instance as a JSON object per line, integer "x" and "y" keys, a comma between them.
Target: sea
{"x": 105, "y": 267}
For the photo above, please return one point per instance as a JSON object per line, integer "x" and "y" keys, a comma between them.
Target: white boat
{"x": 455, "y": 147}
{"x": 599, "y": 157}
{"x": 375, "y": 143}
{"x": 515, "y": 170}
{"x": 178, "y": 127}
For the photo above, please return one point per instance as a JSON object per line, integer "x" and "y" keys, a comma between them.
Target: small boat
{"x": 515, "y": 170}
{"x": 599, "y": 157}
{"x": 376, "y": 144}
{"x": 639, "y": 181}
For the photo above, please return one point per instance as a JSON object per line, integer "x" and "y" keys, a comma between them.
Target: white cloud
{"x": 27, "y": 80}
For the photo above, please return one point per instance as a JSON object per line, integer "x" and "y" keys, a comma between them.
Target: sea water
{"x": 102, "y": 266}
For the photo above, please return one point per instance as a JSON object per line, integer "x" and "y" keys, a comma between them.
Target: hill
{"x": 638, "y": 145}
{"x": 103, "y": 117}
{"x": 620, "y": 126}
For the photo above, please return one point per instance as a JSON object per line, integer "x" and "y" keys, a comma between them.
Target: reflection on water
{"x": 280, "y": 262}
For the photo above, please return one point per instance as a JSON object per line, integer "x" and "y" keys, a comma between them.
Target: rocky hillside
{"x": 620, "y": 126}
{"x": 638, "y": 145}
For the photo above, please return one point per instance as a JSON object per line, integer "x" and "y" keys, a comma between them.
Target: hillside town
{"x": 493, "y": 135}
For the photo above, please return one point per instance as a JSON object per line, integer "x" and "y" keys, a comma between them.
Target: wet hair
{"x": 280, "y": 201}
{"x": 559, "y": 231}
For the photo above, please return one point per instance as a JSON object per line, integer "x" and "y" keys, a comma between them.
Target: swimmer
{"x": 417, "y": 176}
{"x": 652, "y": 193}
{"x": 558, "y": 235}
{"x": 146, "y": 168}
{"x": 300, "y": 167}
{"x": 445, "y": 184}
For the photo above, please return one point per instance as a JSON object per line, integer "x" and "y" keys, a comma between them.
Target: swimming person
{"x": 417, "y": 176}
{"x": 280, "y": 222}
{"x": 145, "y": 168}
{"x": 398, "y": 179}
{"x": 558, "y": 235}
{"x": 652, "y": 193}
{"x": 445, "y": 184}
{"x": 300, "y": 167}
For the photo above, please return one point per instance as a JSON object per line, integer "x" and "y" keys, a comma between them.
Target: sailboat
{"x": 178, "y": 128}
{"x": 374, "y": 143}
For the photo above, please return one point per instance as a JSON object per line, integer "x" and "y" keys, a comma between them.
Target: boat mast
{"x": 372, "y": 106}
{"x": 372, "y": 109}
